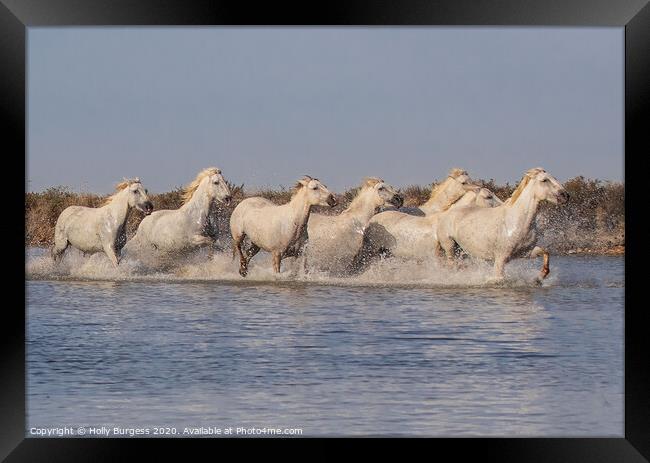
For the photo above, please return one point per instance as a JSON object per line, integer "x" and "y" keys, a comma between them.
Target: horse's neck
{"x": 440, "y": 199}
{"x": 299, "y": 208}
{"x": 119, "y": 208}
{"x": 198, "y": 207}
{"x": 467, "y": 199}
{"x": 520, "y": 216}
{"x": 361, "y": 208}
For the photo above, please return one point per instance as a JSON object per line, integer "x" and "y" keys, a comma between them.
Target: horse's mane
{"x": 189, "y": 190}
{"x": 528, "y": 176}
{"x": 367, "y": 182}
{"x": 299, "y": 184}
{"x": 456, "y": 172}
{"x": 370, "y": 182}
{"x": 119, "y": 188}
{"x": 453, "y": 173}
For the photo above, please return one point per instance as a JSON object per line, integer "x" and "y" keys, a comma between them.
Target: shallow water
{"x": 403, "y": 349}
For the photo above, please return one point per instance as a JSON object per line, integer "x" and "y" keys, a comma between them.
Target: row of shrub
{"x": 592, "y": 220}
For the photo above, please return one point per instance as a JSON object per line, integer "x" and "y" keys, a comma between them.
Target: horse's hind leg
{"x": 236, "y": 247}
{"x": 60, "y": 245}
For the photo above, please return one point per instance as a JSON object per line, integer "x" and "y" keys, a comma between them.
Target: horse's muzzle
{"x": 397, "y": 200}
{"x": 331, "y": 201}
{"x": 227, "y": 200}
{"x": 148, "y": 208}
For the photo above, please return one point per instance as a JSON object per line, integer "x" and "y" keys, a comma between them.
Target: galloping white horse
{"x": 101, "y": 229}
{"x": 276, "y": 229}
{"x": 172, "y": 231}
{"x": 445, "y": 194}
{"x": 504, "y": 232}
{"x": 334, "y": 241}
{"x": 413, "y": 237}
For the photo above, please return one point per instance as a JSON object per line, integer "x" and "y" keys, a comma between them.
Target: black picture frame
{"x": 634, "y": 15}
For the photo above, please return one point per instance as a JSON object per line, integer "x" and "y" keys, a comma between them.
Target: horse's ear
{"x": 304, "y": 181}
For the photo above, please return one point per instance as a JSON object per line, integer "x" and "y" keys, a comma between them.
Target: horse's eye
{"x": 381, "y": 188}
{"x": 216, "y": 182}
{"x": 137, "y": 192}
{"x": 545, "y": 180}
{"x": 314, "y": 188}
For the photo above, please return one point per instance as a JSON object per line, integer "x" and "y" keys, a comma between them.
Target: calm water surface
{"x": 333, "y": 359}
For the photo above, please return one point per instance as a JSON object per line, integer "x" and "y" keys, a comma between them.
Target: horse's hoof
{"x": 538, "y": 281}
{"x": 243, "y": 272}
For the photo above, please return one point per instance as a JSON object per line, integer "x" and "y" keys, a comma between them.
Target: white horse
{"x": 450, "y": 190}
{"x": 504, "y": 232}
{"x": 413, "y": 237}
{"x": 334, "y": 241}
{"x": 101, "y": 229}
{"x": 276, "y": 229}
{"x": 168, "y": 232}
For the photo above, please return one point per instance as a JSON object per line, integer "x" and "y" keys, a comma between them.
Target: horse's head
{"x": 546, "y": 187}
{"x": 211, "y": 183}
{"x": 382, "y": 193}
{"x": 485, "y": 198}
{"x": 317, "y": 194}
{"x": 217, "y": 187}
{"x": 458, "y": 183}
{"x": 138, "y": 197}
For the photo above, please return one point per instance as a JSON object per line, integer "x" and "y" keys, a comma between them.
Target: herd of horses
{"x": 460, "y": 218}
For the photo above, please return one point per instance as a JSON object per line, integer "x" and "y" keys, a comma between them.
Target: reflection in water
{"x": 332, "y": 357}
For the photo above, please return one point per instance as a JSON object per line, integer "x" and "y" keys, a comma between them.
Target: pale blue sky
{"x": 267, "y": 105}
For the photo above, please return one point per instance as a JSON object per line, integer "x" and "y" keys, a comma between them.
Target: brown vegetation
{"x": 592, "y": 222}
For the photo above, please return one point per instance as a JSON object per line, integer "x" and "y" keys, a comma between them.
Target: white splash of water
{"x": 222, "y": 267}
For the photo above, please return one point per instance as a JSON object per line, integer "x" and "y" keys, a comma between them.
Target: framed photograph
{"x": 380, "y": 221}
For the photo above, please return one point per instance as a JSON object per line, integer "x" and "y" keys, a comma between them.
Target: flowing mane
{"x": 524, "y": 182}
{"x": 119, "y": 188}
{"x": 191, "y": 188}
{"x": 367, "y": 182}
{"x": 370, "y": 182}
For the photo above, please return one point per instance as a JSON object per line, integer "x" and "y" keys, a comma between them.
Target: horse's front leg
{"x": 500, "y": 268}
{"x": 109, "y": 250}
{"x": 277, "y": 259}
{"x": 449, "y": 247}
{"x": 536, "y": 252}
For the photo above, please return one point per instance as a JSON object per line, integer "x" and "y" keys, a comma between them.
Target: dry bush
{"x": 416, "y": 195}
